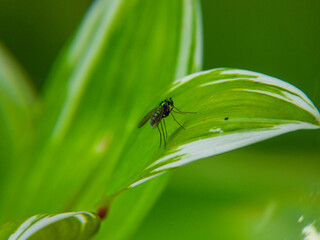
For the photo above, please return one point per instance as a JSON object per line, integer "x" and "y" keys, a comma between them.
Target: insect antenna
{"x": 177, "y": 121}
{"x": 180, "y": 112}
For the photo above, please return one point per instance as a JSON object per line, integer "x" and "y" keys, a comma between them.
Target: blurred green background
{"x": 242, "y": 190}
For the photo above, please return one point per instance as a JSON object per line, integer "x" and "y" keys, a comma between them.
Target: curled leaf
{"x": 234, "y": 108}
{"x": 53, "y": 226}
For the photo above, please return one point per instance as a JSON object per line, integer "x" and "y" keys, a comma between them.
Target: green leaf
{"x": 253, "y": 193}
{"x": 16, "y": 102}
{"x": 64, "y": 226}
{"x": 234, "y": 108}
{"x": 95, "y": 93}
{"x": 129, "y": 209}
{"x": 16, "y": 123}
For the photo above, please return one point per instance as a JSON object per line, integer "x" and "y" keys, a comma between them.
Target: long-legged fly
{"x": 157, "y": 116}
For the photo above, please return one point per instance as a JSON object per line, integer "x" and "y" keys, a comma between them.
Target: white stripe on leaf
{"x": 216, "y": 145}
{"x": 38, "y": 222}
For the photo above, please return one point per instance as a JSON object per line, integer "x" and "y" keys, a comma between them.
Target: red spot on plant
{"x": 103, "y": 212}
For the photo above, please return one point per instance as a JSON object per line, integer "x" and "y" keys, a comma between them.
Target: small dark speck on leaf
{"x": 226, "y": 118}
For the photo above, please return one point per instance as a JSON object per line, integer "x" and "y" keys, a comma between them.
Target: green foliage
{"x": 74, "y": 225}
{"x": 89, "y": 109}
{"x": 234, "y": 108}
{"x": 17, "y": 107}
{"x": 81, "y": 145}
{"x": 249, "y": 194}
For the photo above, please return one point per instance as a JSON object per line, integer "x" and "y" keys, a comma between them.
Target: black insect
{"x": 157, "y": 116}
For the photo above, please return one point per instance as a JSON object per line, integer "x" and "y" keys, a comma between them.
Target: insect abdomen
{"x": 154, "y": 117}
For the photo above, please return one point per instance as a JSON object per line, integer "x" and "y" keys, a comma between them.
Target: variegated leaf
{"x": 52, "y": 226}
{"x": 234, "y": 108}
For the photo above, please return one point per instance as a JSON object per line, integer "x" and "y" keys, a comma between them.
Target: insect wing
{"x": 146, "y": 118}
{"x": 156, "y": 119}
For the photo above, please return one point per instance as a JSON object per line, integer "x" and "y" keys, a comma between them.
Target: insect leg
{"x": 180, "y": 112}
{"x": 177, "y": 121}
{"x": 165, "y": 128}
{"x": 160, "y": 136}
{"x": 164, "y": 137}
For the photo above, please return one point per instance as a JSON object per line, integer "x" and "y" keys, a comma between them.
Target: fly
{"x": 157, "y": 115}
